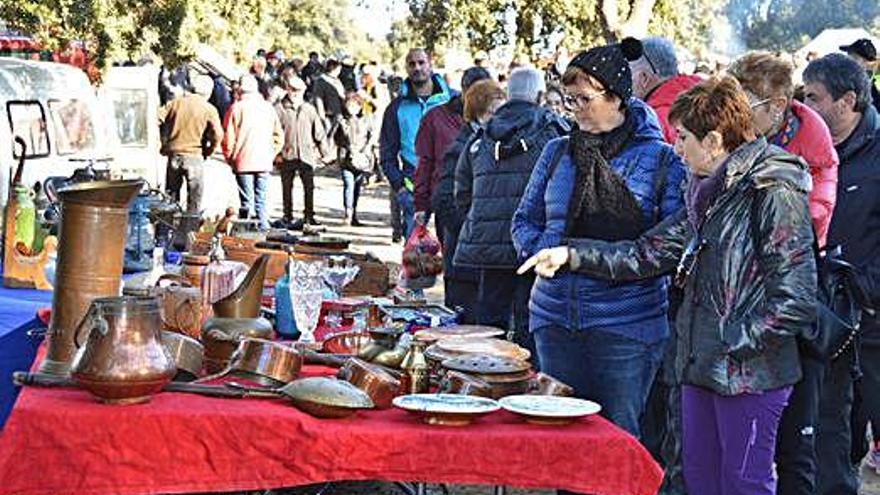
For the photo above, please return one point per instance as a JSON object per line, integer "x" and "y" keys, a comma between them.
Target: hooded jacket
{"x": 812, "y": 142}
{"x": 661, "y": 98}
{"x": 489, "y": 189}
{"x": 400, "y": 124}
{"x": 749, "y": 274}
{"x": 636, "y": 310}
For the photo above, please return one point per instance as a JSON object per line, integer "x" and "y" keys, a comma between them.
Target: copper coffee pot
{"x": 236, "y": 316}
{"x": 94, "y": 217}
{"x": 123, "y": 360}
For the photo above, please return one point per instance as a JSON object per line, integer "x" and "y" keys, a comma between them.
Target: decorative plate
{"x": 549, "y": 409}
{"x": 446, "y": 409}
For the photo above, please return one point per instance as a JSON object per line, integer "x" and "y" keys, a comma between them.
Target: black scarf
{"x": 602, "y": 206}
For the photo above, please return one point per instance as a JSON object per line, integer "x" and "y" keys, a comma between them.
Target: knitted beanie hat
{"x": 609, "y": 64}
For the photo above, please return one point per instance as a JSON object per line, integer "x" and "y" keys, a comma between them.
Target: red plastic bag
{"x": 422, "y": 261}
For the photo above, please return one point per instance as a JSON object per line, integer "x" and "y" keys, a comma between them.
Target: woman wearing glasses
{"x": 742, "y": 249}
{"x": 612, "y": 179}
{"x": 791, "y": 125}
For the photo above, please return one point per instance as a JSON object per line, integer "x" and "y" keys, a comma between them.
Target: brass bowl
{"x": 325, "y": 397}
{"x": 351, "y": 343}
{"x": 265, "y": 362}
{"x": 188, "y": 354}
{"x": 379, "y": 384}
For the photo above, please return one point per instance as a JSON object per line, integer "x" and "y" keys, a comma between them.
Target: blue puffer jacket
{"x": 636, "y": 310}
{"x": 489, "y": 189}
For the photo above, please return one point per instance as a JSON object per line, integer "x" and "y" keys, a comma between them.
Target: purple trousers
{"x": 728, "y": 442}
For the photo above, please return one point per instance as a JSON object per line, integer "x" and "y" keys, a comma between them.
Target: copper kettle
{"x": 123, "y": 360}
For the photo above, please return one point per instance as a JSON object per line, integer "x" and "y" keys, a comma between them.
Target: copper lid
{"x": 472, "y": 331}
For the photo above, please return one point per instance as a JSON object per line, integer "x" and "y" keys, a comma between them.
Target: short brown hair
{"x": 763, "y": 74}
{"x": 479, "y": 96}
{"x": 717, "y": 104}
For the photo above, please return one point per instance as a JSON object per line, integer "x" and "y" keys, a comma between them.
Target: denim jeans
{"x": 396, "y": 221}
{"x": 351, "y": 189}
{"x": 503, "y": 302}
{"x": 611, "y": 369}
{"x": 252, "y": 189}
{"x": 407, "y": 211}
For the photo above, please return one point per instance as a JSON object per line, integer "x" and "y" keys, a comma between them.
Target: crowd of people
{"x": 665, "y": 243}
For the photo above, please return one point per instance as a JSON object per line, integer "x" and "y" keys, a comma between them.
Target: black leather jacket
{"x": 749, "y": 274}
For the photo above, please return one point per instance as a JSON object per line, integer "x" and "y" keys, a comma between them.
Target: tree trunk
{"x": 636, "y": 24}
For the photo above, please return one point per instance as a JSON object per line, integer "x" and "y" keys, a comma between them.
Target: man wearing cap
{"x": 304, "y": 138}
{"x": 192, "y": 131}
{"x": 864, "y": 52}
{"x": 420, "y": 92}
{"x": 253, "y": 137}
{"x": 657, "y": 81}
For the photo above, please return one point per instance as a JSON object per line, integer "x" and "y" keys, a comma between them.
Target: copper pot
{"x": 181, "y": 305}
{"x": 94, "y": 218}
{"x": 123, "y": 360}
{"x": 188, "y": 354}
{"x": 268, "y": 363}
{"x": 194, "y": 267}
{"x": 380, "y": 385}
{"x": 542, "y": 384}
{"x": 455, "y": 382}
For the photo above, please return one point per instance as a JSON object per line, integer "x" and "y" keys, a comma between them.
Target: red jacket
{"x": 437, "y": 130}
{"x": 812, "y": 142}
{"x": 662, "y": 98}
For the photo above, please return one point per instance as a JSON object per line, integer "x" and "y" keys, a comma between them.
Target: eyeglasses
{"x": 688, "y": 261}
{"x": 579, "y": 101}
{"x": 759, "y": 103}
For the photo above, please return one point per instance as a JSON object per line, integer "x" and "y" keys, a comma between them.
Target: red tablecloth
{"x": 63, "y": 442}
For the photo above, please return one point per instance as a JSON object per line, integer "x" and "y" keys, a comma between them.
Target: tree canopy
{"x": 117, "y": 30}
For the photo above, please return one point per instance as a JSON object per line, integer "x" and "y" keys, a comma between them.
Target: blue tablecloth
{"x": 18, "y": 346}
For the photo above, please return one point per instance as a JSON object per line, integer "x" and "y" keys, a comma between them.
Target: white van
{"x": 53, "y": 107}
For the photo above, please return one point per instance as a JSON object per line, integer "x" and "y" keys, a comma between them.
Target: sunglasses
{"x": 688, "y": 261}
{"x": 572, "y": 102}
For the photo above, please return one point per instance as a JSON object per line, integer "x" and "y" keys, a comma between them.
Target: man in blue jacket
{"x": 421, "y": 91}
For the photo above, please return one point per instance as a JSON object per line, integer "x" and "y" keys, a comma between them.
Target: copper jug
{"x": 94, "y": 217}
{"x": 236, "y": 317}
{"x": 123, "y": 360}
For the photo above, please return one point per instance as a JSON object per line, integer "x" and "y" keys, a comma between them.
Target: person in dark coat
{"x": 490, "y": 178}
{"x": 838, "y": 89}
{"x": 354, "y": 141}
{"x": 304, "y": 147}
{"x": 742, "y": 251}
{"x": 481, "y": 101}
{"x": 612, "y": 179}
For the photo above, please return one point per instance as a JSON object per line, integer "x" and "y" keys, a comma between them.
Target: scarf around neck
{"x": 602, "y": 206}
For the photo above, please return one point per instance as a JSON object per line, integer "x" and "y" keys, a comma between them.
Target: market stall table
{"x": 60, "y": 441}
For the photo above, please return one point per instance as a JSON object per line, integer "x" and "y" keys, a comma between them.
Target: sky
{"x": 376, "y": 16}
